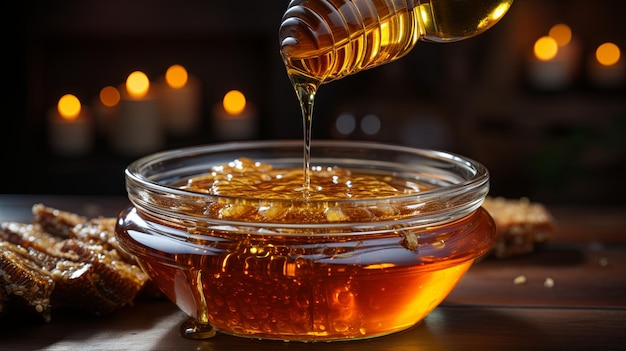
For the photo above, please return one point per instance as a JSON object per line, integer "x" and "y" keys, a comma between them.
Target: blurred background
{"x": 549, "y": 130}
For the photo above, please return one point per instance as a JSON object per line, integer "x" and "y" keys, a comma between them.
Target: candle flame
{"x": 176, "y": 76}
{"x": 68, "y": 107}
{"x": 545, "y": 48}
{"x": 562, "y": 33}
{"x": 234, "y": 102}
{"x": 137, "y": 84}
{"x": 109, "y": 96}
{"x": 608, "y": 54}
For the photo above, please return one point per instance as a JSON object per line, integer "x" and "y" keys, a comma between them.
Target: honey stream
{"x": 321, "y": 41}
{"x": 325, "y": 40}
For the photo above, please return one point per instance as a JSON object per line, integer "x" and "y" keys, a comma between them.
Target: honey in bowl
{"x": 365, "y": 240}
{"x": 380, "y": 238}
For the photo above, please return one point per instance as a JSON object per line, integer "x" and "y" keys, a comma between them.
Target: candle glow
{"x": 562, "y": 33}
{"x": 137, "y": 84}
{"x": 608, "y": 54}
{"x": 109, "y": 96}
{"x": 138, "y": 127}
{"x": 176, "y": 76}
{"x": 69, "y": 107}
{"x": 69, "y": 127}
{"x": 545, "y": 48}
{"x": 554, "y": 63}
{"x": 606, "y": 69}
{"x": 234, "y": 102}
{"x": 234, "y": 118}
{"x": 180, "y": 99}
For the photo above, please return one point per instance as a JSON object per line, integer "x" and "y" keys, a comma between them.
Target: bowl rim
{"x": 480, "y": 173}
{"x": 464, "y": 197}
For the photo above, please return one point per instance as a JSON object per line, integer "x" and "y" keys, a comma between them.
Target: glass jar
{"x": 333, "y": 278}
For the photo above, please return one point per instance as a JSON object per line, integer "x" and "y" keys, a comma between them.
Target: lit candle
{"x": 234, "y": 118}
{"x": 70, "y": 127}
{"x": 179, "y": 99}
{"x": 606, "y": 69}
{"x": 138, "y": 128}
{"x": 106, "y": 108}
{"x": 554, "y": 62}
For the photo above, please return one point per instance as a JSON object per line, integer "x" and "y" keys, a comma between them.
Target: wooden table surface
{"x": 585, "y": 309}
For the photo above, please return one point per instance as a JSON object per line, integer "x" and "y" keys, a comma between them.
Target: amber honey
{"x": 325, "y": 40}
{"x": 312, "y": 289}
{"x": 335, "y": 262}
{"x": 364, "y": 240}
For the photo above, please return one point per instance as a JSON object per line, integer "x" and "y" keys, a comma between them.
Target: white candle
{"x": 138, "y": 128}
{"x": 552, "y": 67}
{"x": 106, "y": 109}
{"x": 605, "y": 68}
{"x": 234, "y": 118}
{"x": 70, "y": 128}
{"x": 179, "y": 100}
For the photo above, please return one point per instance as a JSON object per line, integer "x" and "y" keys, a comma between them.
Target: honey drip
{"x": 324, "y": 40}
{"x": 328, "y": 294}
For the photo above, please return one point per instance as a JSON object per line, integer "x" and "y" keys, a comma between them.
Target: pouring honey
{"x": 325, "y": 40}
{"x": 371, "y": 243}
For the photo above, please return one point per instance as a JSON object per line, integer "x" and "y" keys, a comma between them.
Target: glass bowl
{"x": 346, "y": 269}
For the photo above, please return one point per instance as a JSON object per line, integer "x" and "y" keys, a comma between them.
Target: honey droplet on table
{"x": 192, "y": 329}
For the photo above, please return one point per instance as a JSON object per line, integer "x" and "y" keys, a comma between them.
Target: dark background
{"x": 471, "y": 97}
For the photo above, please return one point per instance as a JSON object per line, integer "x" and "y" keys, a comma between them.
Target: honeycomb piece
{"x": 25, "y": 287}
{"x": 65, "y": 261}
{"x": 523, "y": 226}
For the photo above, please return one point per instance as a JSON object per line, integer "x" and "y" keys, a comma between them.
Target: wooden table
{"x": 585, "y": 309}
